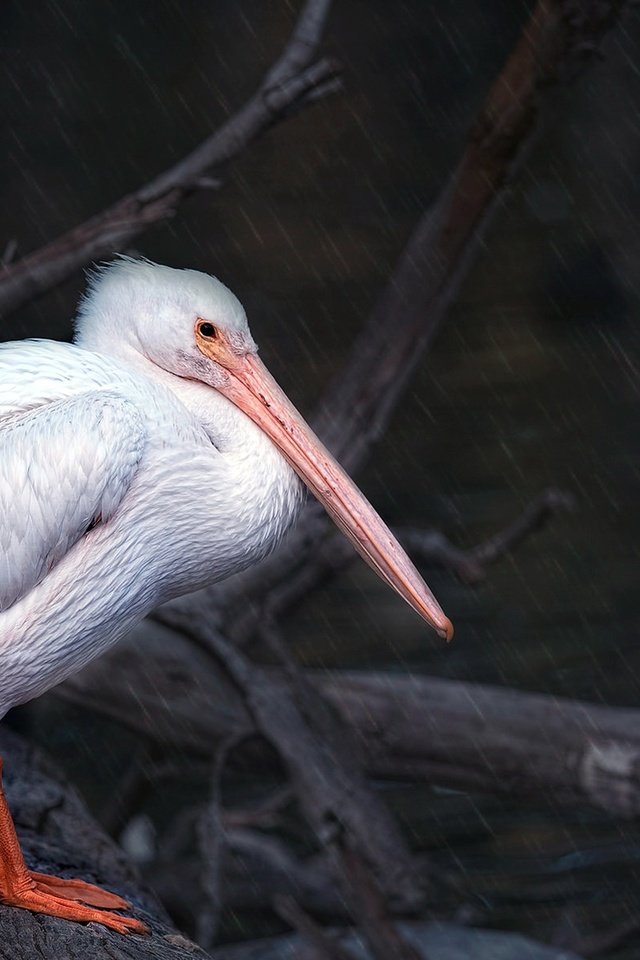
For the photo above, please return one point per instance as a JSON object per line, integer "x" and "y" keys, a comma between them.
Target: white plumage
{"x": 123, "y": 484}
{"x": 146, "y": 460}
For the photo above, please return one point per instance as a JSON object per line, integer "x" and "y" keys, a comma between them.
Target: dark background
{"x": 533, "y": 380}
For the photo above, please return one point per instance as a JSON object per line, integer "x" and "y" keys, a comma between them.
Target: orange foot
{"x": 58, "y": 898}
{"x": 54, "y": 896}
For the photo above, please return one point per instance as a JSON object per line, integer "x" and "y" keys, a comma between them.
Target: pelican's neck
{"x": 265, "y": 492}
{"x": 229, "y": 429}
{"x": 264, "y": 482}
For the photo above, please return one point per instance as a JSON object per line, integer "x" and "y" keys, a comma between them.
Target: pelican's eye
{"x": 208, "y": 331}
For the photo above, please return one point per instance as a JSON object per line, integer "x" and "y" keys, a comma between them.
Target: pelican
{"x": 152, "y": 456}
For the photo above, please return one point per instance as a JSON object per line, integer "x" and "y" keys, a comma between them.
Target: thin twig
{"x": 533, "y": 517}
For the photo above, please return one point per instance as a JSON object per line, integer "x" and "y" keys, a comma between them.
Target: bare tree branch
{"x": 294, "y": 81}
{"x": 305, "y": 39}
{"x": 325, "y": 776}
{"x": 430, "y": 547}
{"x": 362, "y": 890}
{"x": 561, "y": 37}
{"x": 536, "y": 514}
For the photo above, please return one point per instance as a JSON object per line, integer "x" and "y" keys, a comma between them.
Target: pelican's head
{"x": 165, "y": 314}
{"x": 191, "y": 325}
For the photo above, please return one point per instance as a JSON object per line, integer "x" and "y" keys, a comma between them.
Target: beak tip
{"x": 446, "y": 630}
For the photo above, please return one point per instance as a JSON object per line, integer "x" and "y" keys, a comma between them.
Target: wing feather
{"x": 62, "y": 466}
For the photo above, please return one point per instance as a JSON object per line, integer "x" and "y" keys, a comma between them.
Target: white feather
{"x": 62, "y": 467}
{"x": 187, "y": 488}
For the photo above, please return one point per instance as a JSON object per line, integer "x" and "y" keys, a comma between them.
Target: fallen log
{"x": 493, "y": 739}
{"x": 464, "y": 735}
{"x": 59, "y": 837}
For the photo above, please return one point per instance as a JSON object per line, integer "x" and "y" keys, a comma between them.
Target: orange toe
{"x": 55, "y": 896}
{"x": 40, "y": 902}
{"x": 78, "y": 890}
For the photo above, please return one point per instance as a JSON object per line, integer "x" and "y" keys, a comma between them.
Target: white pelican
{"x": 147, "y": 459}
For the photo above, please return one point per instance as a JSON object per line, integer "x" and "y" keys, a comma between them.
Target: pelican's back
{"x": 69, "y": 449}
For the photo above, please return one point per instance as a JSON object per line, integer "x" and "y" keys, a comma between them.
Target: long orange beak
{"x": 252, "y": 388}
